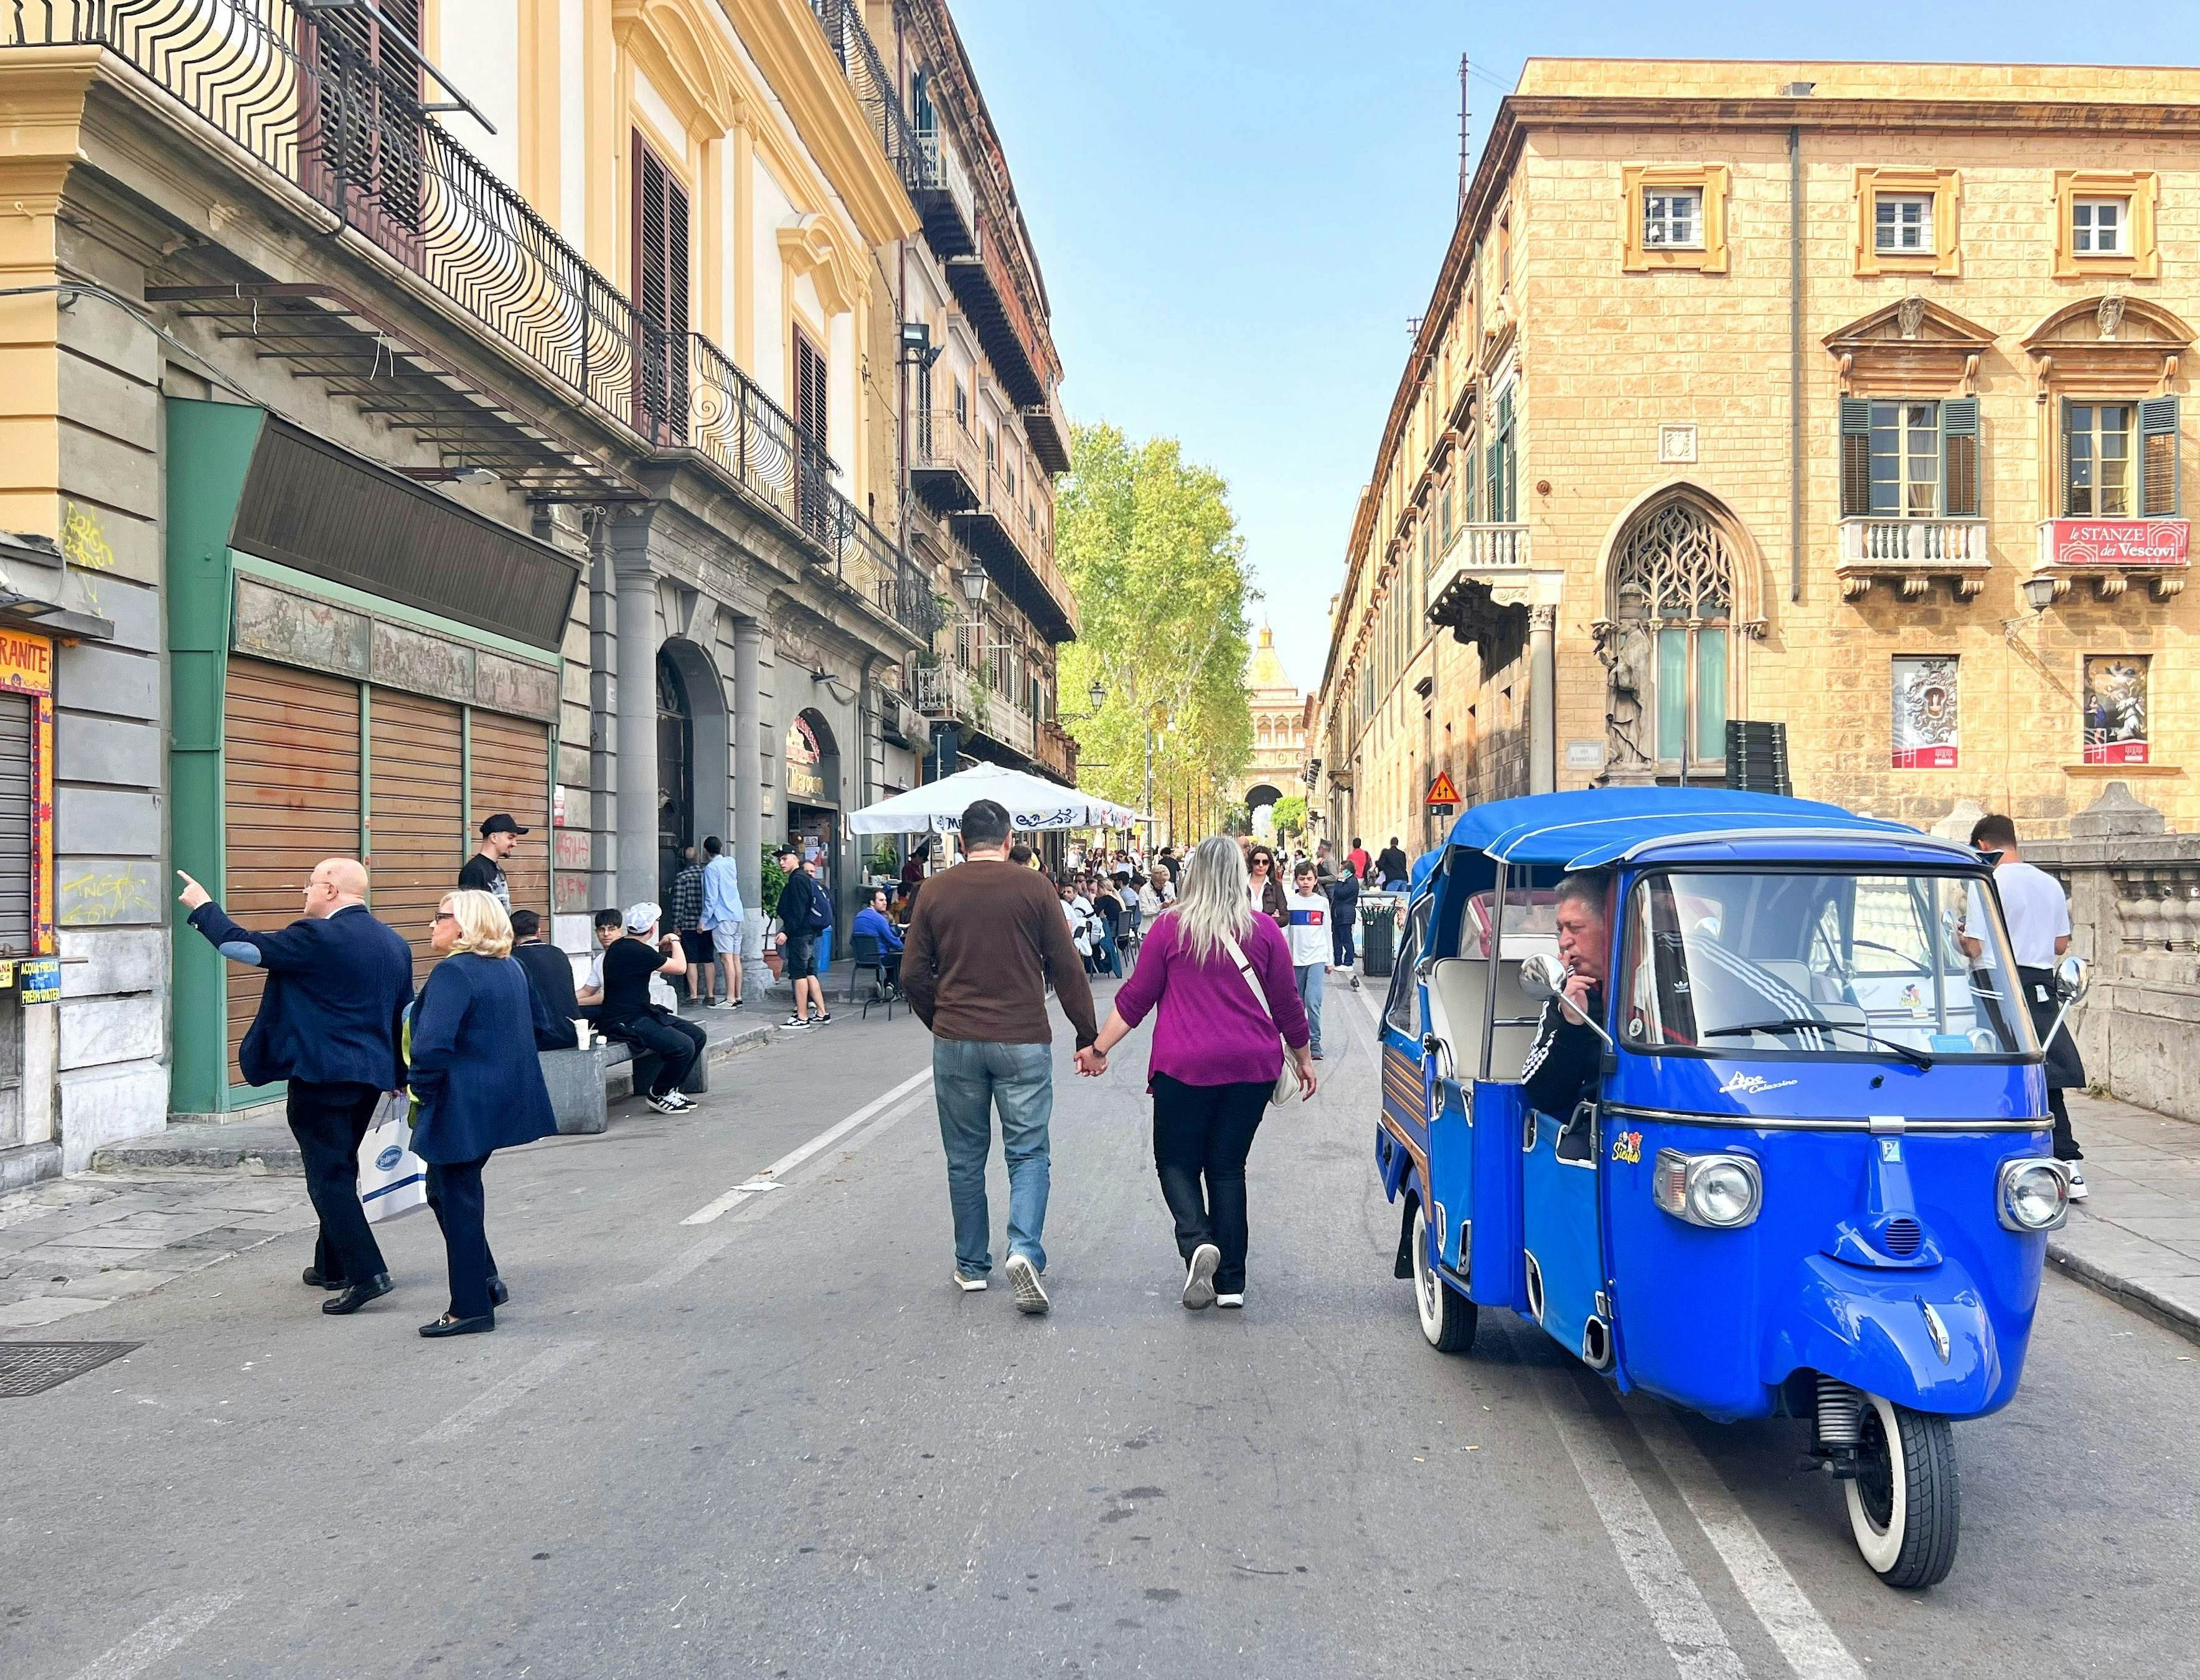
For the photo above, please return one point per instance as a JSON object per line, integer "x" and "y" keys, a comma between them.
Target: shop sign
{"x": 40, "y": 980}
{"x": 2152, "y": 543}
{"x": 806, "y": 778}
{"x": 2116, "y": 710}
{"x": 26, "y": 663}
{"x": 1925, "y": 717}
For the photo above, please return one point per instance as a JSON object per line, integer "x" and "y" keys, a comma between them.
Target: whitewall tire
{"x": 1905, "y": 1505}
{"x": 1448, "y": 1318}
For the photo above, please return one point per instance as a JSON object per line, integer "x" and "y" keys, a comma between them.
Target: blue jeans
{"x": 1309, "y": 976}
{"x": 1106, "y": 959}
{"x": 969, "y": 1081}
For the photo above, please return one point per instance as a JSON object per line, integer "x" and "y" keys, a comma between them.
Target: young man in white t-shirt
{"x": 2038, "y": 918}
{"x": 1307, "y": 931}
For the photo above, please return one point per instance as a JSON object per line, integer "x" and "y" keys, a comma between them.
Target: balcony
{"x": 986, "y": 286}
{"x": 2109, "y": 554}
{"x": 1487, "y": 572}
{"x": 842, "y": 21}
{"x": 1057, "y": 753}
{"x": 1910, "y": 554}
{"x": 943, "y": 693}
{"x": 1049, "y": 434}
{"x": 943, "y": 197}
{"x": 308, "y": 103}
{"x": 946, "y": 462}
{"x": 1002, "y": 532}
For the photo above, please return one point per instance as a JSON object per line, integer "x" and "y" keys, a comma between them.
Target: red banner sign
{"x": 2161, "y": 542}
{"x": 1925, "y": 758}
{"x": 2115, "y": 751}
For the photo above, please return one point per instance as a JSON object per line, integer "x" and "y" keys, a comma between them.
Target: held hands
{"x": 193, "y": 894}
{"x": 1091, "y": 1063}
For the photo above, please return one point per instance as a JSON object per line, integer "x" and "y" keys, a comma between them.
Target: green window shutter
{"x": 1856, "y": 457}
{"x": 1959, "y": 458}
{"x": 2158, "y": 439}
{"x": 2064, "y": 505}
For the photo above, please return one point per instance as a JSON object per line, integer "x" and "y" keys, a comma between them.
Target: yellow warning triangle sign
{"x": 1440, "y": 792}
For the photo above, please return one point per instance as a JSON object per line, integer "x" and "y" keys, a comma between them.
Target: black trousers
{"x": 1340, "y": 940}
{"x": 454, "y": 1191}
{"x": 1202, "y": 1135}
{"x": 675, "y": 1044}
{"x": 2062, "y": 1061}
{"x": 330, "y": 1123}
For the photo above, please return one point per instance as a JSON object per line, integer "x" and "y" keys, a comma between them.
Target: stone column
{"x": 748, "y": 779}
{"x": 602, "y": 722}
{"x": 1542, "y": 699}
{"x": 636, "y": 823}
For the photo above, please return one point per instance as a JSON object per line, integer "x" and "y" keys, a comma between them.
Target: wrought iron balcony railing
{"x": 842, "y": 21}
{"x": 317, "y": 98}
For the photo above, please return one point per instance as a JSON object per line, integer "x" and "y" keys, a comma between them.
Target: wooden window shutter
{"x": 1856, "y": 457}
{"x": 660, "y": 296}
{"x": 809, "y": 392}
{"x": 2158, "y": 438}
{"x": 2063, "y": 504}
{"x": 1959, "y": 457}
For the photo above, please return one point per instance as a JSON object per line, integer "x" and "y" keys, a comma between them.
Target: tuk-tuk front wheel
{"x": 1903, "y": 1504}
{"x": 1448, "y": 1318}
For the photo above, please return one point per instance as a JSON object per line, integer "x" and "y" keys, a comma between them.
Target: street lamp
{"x": 1097, "y": 693}
{"x": 2039, "y": 594}
{"x": 975, "y": 584}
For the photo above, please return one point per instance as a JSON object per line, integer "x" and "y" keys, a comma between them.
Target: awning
{"x": 1032, "y": 803}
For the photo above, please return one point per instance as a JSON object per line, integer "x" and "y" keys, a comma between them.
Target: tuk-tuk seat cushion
{"x": 1458, "y": 1008}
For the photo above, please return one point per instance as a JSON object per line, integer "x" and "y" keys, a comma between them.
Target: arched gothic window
{"x": 1672, "y": 601}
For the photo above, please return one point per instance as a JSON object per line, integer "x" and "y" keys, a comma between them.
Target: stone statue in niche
{"x": 1622, "y": 648}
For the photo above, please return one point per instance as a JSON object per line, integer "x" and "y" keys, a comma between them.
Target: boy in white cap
{"x": 626, "y": 1013}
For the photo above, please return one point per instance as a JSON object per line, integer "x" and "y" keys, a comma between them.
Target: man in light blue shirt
{"x": 722, "y": 920}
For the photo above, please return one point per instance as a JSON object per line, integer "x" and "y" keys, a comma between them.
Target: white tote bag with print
{"x": 392, "y": 1180}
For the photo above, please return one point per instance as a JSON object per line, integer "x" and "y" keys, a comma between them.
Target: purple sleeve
{"x": 1271, "y": 958}
{"x": 1143, "y": 990}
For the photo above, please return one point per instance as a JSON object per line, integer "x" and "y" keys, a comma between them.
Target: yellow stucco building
{"x": 1842, "y": 396}
{"x": 1276, "y": 769}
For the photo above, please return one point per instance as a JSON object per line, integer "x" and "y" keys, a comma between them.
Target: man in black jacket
{"x": 550, "y": 971}
{"x": 329, "y": 1024}
{"x": 1561, "y": 1065}
{"x": 805, "y": 911}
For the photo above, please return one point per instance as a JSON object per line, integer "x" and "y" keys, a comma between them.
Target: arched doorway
{"x": 812, "y": 757}
{"x": 1260, "y": 807}
{"x": 1668, "y": 641}
{"x": 676, "y": 771}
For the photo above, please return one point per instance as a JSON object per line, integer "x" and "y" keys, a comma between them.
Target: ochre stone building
{"x": 1276, "y": 769}
{"x": 1846, "y": 397}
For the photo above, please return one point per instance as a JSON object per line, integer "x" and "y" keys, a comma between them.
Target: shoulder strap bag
{"x": 1287, "y": 1081}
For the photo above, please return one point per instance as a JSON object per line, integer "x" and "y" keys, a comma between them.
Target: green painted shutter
{"x": 2062, "y": 453}
{"x": 1959, "y": 458}
{"x": 2158, "y": 439}
{"x": 1856, "y": 457}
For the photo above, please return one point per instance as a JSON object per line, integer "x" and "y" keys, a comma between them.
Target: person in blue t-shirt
{"x": 873, "y": 919}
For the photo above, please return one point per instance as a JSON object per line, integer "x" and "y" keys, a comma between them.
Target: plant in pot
{"x": 770, "y": 879}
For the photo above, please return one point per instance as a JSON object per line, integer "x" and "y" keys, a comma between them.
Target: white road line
{"x": 486, "y": 1405}
{"x": 1684, "y": 1621}
{"x": 157, "y": 1638}
{"x": 1812, "y": 1649}
{"x": 794, "y": 1157}
{"x": 688, "y": 1260}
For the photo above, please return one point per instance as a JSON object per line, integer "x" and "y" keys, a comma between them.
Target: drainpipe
{"x": 1795, "y": 356}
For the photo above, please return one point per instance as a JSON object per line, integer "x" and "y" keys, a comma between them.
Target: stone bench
{"x": 583, "y": 1083}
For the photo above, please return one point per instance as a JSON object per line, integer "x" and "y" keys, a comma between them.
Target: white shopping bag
{"x": 392, "y": 1180}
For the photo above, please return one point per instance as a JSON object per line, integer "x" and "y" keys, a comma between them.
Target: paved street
{"x": 777, "y": 1443}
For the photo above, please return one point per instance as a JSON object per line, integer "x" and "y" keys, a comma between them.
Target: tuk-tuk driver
{"x": 1561, "y": 1066}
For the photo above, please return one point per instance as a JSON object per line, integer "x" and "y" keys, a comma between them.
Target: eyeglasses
{"x": 442, "y": 915}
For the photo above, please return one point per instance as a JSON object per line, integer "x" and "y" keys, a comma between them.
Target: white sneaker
{"x": 672, "y": 1104}
{"x": 1236, "y": 1298}
{"x": 1199, "y": 1277}
{"x": 1023, "y": 1277}
{"x": 793, "y": 1021}
{"x": 2079, "y": 1192}
{"x": 969, "y": 1285}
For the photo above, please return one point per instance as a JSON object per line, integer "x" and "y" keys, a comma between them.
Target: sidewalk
{"x": 2137, "y": 1238}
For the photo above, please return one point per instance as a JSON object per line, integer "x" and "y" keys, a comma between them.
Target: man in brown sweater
{"x": 985, "y": 939}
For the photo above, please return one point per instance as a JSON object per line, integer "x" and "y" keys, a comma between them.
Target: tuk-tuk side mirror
{"x": 2074, "y": 978}
{"x": 1543, "y": 977}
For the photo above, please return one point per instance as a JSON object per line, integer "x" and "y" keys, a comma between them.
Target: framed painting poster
{"x": 1925, "y": 712}
{"x": 2116, "y": 709}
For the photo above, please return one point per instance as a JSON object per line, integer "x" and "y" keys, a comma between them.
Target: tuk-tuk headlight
{"x": 2034, "y": 1194}
{"x": 1723, "y": 1191}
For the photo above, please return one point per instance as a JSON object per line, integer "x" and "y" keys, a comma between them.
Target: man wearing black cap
{"x": 484, "y": 871}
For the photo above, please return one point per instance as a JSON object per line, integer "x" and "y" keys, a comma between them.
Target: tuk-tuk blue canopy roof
{"x": 1588, "y": 829}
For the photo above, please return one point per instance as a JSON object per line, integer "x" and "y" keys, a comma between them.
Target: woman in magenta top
{"x": 1216, "y": 1054}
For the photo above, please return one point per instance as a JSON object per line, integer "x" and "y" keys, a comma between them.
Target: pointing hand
{"x": 193, "y": 894}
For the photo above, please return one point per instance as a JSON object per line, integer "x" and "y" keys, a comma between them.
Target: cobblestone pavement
{"x": 72, "y": 1246}
{"x": 2137, "y": 1238}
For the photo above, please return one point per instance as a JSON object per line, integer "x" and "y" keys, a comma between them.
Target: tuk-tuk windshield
{"x": 1808, "y": 963}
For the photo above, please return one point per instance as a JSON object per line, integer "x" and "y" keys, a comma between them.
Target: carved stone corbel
{"x": 1971, "y": 386}
{"x": 2042, "y": 376}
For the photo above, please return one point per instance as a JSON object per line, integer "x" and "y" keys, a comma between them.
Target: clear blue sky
{"x": 1239, "y": 204}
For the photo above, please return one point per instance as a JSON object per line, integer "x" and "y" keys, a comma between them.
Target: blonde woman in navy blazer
{"x": 478, "y": 1087}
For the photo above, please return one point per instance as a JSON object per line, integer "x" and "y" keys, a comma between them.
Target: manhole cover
{"x": 32, "y": 1368}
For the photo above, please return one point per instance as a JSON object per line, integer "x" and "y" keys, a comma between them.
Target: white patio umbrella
{"x": 1033, "y": 803}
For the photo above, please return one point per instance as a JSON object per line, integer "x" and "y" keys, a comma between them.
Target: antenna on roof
{"x": 1462, "y": 131}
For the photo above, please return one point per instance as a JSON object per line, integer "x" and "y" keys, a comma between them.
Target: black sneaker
{"x": 824, "y": 1020}
{"x": 793, "y": 1021}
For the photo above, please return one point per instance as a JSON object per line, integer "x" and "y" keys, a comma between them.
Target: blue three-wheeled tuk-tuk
{"x": 1808, "y": 1173}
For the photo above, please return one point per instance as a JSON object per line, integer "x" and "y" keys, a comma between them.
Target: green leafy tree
{"x": 1154, "y": 555}
{"x": 1289, "y": 817}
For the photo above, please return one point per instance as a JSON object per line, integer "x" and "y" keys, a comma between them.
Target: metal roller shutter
{"x": 511, "y": 766}
{"x": 290, "y": 799}
{"x": 416, "y": 766}
{"x": 18, "y": 806}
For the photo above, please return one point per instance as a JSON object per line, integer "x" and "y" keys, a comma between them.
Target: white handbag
{"x": 392, "y": 1180}
{"x": 1287, "y": 1081}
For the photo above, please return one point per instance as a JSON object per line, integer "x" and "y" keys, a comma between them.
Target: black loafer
{"x": 447, "y": 1325}
{"x": 356, "y": 1296}
{"x": 498, "y": 1293}
{"x": 312, "y": 1279}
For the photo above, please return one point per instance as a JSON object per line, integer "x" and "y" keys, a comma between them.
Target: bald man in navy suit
{"x": 331, "y": 1023}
